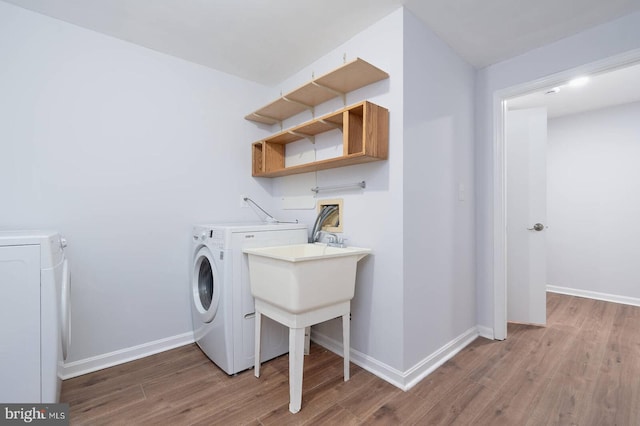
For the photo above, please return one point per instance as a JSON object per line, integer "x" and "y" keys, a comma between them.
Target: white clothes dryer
{"x": 34, "y": 313}
{"x": 222, "y": 307}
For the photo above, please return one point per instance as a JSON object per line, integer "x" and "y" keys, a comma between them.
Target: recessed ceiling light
{"x": 577, "y": 82}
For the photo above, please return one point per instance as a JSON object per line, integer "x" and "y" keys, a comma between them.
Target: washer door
{"x": 205, "y": 285}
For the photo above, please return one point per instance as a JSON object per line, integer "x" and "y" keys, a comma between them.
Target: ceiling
{"x": 603, "y": 90}
{"x": 268, "y": 40}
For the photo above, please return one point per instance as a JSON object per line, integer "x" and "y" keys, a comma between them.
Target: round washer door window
{"x": 205, "y": 286}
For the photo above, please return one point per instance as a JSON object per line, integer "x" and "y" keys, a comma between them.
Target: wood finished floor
{"x": 582, "y": 369}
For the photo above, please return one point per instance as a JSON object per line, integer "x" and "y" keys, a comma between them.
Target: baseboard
{"x": 403, "y": 380}
{"x": 486, "y": 332}
{"x": 425, "y": 367}
{"x": 89, "y": 365}
{"x": 372, "y": 365}
{"x": 625, "y": 300}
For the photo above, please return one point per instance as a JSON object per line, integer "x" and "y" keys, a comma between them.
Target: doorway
{"x": 539, "y": 88}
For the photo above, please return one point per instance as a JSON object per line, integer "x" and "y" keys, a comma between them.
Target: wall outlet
{"x": 244, "y": 204}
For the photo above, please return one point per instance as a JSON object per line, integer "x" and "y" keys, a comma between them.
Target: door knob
{"x": 537, "y": 227}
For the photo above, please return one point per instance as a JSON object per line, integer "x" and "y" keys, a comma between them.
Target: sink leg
{"x": 256, "y": 352}
{"x": 346, "y": 326}
{"x": 296, "y": 365}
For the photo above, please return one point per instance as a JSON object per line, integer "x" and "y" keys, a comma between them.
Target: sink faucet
{"x": 334, "y": 240}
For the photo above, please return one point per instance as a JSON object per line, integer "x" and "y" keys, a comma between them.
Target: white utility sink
{"x": 302, "y": 277}
{"x": 301, "y": 285}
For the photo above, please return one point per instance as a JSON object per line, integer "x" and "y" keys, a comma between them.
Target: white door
{"x": 526, "y": 139}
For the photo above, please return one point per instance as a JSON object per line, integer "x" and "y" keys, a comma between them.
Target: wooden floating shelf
{"x": 365, "y": 138}
{"x": 350, "y": 76}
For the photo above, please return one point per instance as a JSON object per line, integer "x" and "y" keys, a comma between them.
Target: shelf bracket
{"x": 266, "y": 117}
{"x": 331, "y": 124}
{"x": 332, "y": 90}
{"x": 311, "y": 138}
{"x": 302, "y": 104}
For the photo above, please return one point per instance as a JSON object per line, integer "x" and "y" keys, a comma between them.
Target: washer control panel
{"x": 213, "y": 236}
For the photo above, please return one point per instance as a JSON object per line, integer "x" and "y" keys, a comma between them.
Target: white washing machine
{"x": 34, "y": 315}
{"x": 222, "y": 306}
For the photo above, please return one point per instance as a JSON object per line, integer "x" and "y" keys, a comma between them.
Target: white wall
{"x": 594, "y": 201}
{"x": 373, "y": 216}
{"x": 614, "y": 38}
{"x": 416, "y": 293}
{"x": 439, "y": 287}
{"x": 121, "y": 149}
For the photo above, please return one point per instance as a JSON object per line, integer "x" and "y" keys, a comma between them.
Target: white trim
{"x": 625, "y": 300}
{"x": 499, "y": 167}
{"x": 439, "y": 357}
{"x": 99, "y": 362}
{"x": 372, "y": 365}
{"x": 486, "y": 332}
{"x": 403, "y": 380}
{"x": 499, "y": 223}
